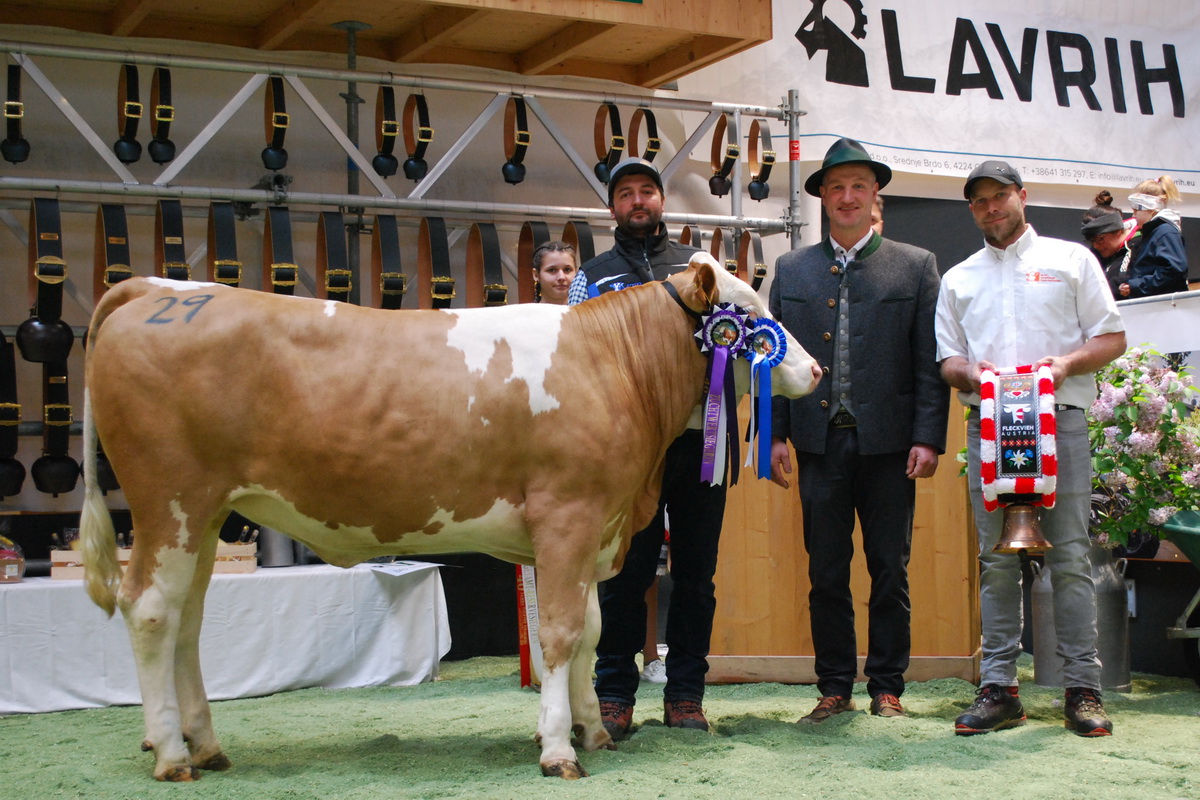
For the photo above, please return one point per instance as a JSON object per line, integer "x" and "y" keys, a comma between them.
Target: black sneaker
{"x": 617, "y": 718}
{"x": 1084, "y": 713}
{"x": 995, "y": 708}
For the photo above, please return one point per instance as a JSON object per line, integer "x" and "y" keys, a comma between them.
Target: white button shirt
{"x": 1039, "y": 297}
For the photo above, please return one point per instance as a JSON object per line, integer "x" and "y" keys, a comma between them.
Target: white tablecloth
{"x": 264, "y": 632}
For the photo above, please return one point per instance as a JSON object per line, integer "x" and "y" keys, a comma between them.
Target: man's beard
{"x": 643, "y": 226}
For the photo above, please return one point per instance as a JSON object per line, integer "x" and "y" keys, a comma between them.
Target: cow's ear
{"x": 706, "y": 285}
{"x": 704, "y": 278}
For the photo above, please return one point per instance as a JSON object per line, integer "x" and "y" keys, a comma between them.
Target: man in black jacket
{"x": 863, "y": 306}
{"x": 643, "y": 253}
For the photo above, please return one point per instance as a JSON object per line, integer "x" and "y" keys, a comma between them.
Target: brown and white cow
{"x": 534, "y": 433}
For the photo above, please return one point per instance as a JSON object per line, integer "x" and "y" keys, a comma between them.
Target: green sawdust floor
{"x": 470, "y": 735}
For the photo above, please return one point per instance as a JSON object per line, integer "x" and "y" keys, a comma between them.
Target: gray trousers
{"x": 1065, "y": 527}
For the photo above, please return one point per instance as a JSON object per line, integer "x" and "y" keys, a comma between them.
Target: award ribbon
{"x": 766, "y": 349}
{"x": 1018, "y": 458}
{"x": 723, "y": 335}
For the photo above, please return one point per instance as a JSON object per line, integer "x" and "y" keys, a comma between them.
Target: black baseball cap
{"x": 632, "y": 166}
{"x": 1000, "y": 171}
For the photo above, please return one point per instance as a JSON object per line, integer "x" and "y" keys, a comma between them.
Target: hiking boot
{"x": 684, "y": 714}
{"x": 995, "y": 707}
{"x": 617, "y": 718}
{"x": 886, "y": 705}
{"x": 1084, "y": 713}
{"x": 828, "y": 707}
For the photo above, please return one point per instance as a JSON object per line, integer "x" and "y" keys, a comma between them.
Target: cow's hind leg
{"x": 585, "y": 707}
{"x": 153, "y": 599}
{"x": 195, "y": 714}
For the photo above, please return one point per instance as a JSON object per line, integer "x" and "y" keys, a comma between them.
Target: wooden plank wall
{"x": 761, "y": 629}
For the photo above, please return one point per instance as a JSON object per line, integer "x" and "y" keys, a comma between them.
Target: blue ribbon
{"x": 768, "y": 343}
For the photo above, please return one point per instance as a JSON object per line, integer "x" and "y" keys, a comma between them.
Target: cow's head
{"x": 705, "y": 283}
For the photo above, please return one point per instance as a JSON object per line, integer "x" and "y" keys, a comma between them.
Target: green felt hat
{"x": 846, "y": 151}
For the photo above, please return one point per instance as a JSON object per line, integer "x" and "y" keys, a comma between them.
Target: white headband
{"x": 1147, "y": 201}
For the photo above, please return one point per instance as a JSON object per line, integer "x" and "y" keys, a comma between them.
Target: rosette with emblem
{"x": 723, "y": 335}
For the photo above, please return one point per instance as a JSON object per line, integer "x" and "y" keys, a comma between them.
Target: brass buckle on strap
{"x": 442, "y": 288}
{"x": 174, "y": 269}
{"x": 50, "y": 270}
{"x": 10, "y": 413}
{"x": 424, "y": 133}
{"x": 14, "y": 109}
{"x": 495, "y": 294}
{"x": 280, "y": 119}
{"x": 164, "y": 113}
{"x": 393, "y": 283}
{"x": 222, "y": 274}
{"x": 338, "y": 280}
{"x": 278, "y": 271}
{"x": 115, "y": 273}
{"x": 49, "y": 416}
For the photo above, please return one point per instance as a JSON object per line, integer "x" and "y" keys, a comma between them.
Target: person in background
{"x": 1159, "y": 264}
{"x": 642, "y": 252}
{"x": 1022, "y": 300}
{"x": 877, "y": 215}
{"x": 1108, "y": 232}
{"x": 863, "y": 306}
{"x": 554, "y": 266}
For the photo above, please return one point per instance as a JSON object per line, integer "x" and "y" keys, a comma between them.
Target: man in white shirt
{"x": 1022, "y": 300}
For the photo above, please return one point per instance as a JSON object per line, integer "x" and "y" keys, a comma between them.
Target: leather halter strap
{"x": 696, "y": 316}
{"x": 387, "y": 124}
{"x": 110, "y": 263}
{"x": 516, "y": 130}
{"x": 724, "y": 153}
{"x": 387, "y": 277}
{"x": 14, "y": 147}
{"x": 761, "y": 156}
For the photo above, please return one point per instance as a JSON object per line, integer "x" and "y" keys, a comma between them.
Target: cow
{"x": 533, "y": 433}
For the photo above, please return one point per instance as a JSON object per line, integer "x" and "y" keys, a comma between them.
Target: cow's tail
{"x": 97, "y": 537}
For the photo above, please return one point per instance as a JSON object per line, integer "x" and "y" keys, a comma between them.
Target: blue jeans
{"x": 696, "y": 511}
{"x": 1064, "y": 526}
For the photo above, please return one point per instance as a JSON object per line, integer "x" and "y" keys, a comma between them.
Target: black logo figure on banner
{"x": 845, "y": 62}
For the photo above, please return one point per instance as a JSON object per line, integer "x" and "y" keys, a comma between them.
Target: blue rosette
{"x": 766, "y": 348}
{"x": 723, "y": 335}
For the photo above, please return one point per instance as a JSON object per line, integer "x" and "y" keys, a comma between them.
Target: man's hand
{"x": 964, "y": 375}
{"x": 781, "y": 462}
{"x": 922, "y": 462}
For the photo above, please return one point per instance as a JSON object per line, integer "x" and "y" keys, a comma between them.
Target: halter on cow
{"x": 533, "y": 433}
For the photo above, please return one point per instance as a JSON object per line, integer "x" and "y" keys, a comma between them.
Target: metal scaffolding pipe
{"x": 386, "y": 78}
{"x": 423, "y": 206}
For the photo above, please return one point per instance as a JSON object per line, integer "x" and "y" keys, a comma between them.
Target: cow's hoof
{"x": 146, "y": 746}
{"x": 217, "y": 763}
{"x": 569, "y": 770}
{"x": 180, "y": 774}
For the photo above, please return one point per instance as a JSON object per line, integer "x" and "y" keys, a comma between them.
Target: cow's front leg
{"x": 585, "y": 707}
{"x": 562, "y": 599}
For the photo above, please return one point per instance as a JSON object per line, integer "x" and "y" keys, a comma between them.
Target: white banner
{"x": 1070, "y": 92}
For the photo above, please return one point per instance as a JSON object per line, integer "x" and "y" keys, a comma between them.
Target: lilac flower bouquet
{"x": 1145, "y": 436}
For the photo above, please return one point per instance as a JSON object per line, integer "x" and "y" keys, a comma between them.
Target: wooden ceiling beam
{"x": 285, "y": 21}
{"x": 432, "y": 31}
{"x": 688, "y": 58}
{"x": 127, "y": 15}
{"x": 560, "y": 46}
